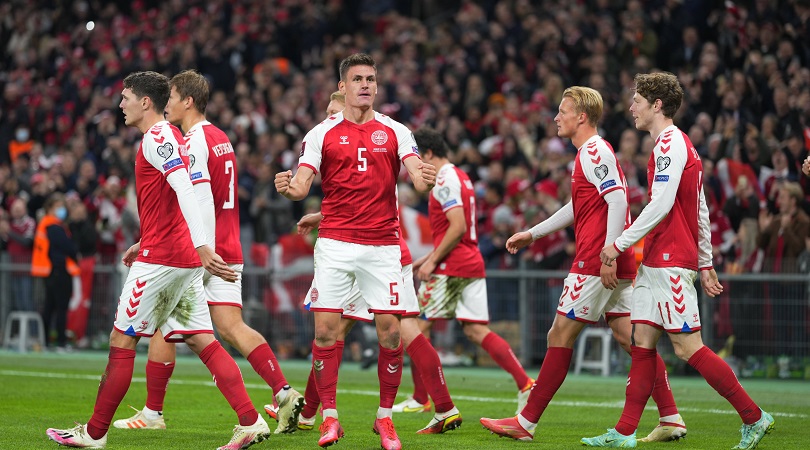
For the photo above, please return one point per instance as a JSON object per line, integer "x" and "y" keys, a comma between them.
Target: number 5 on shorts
{"x": 395, "y": 300}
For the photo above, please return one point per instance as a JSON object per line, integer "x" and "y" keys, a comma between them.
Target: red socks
{"x": 264, "y": 362}
{"x": 426, "y": 367}
{"x": 229, "y": 381}
{"x": 311, "y": 397}
{"x": 111, "y": 390}
{"x": 325, "y": 363}
{"x": 662, "y": 394}
{"x": 157, "y": 379}
{"x": 389, "y": 370}
{"x": 500, "y": 351}
{"x": 640, "y": 384}
{"x": 551, "y": 377}
{"x": 720, "y": 376}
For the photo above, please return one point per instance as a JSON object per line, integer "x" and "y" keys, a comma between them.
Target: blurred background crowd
{"x": 487, "y": 74}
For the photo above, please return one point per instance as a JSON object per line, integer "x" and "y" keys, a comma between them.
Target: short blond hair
{"x": 794, "y": 190}
{"x": 337, "y": 96}
{"x": 586, "y": 100}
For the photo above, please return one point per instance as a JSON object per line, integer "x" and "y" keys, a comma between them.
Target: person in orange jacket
{"x": 54, "y": 258}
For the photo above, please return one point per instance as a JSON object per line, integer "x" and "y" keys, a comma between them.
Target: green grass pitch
{"x": 38, "y": 391}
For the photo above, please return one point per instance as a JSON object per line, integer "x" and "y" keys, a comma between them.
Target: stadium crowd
{"x": 488, "y": 75}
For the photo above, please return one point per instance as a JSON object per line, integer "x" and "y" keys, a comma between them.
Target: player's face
{"x": 175, "y": 108}
{"x": 567, "y": 118}
{"x": 360, "y": 86}
{"x": 132, "y": 107}
{"x": 334, "y": 107}
{"x": 642, "y": 112}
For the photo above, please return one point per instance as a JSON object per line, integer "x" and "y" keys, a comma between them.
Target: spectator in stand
{"x": 782, "y": 238}
{"x": 744, "y": 204}
{"x": 19, "y": 238}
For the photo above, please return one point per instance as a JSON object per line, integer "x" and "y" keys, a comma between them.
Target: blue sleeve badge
{"x": 449, "y": 204}
{"x": 663, "y": 178}
{"x": 607, "y": 184}
{"x": 196, "y": 176}
{"x": 172, "y": 164}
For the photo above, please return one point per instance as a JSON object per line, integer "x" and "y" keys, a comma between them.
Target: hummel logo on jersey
{"x": 344, "y": 140}
{"x": 318, "y": 365}
{"x": 392, "y": 368}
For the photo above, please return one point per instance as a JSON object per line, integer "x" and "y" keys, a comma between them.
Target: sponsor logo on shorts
{"x": 313, "y": 296}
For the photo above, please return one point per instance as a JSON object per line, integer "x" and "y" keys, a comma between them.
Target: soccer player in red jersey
{"x": 677, "y": 250}
{"x": 164, "y": 288}
{"x": 358, "y": 152}
{"x": 598, "y": 210}
{"x": 453, "y": 283}
{"x": 426, "y": 366}
{"x": 212, "y": 165}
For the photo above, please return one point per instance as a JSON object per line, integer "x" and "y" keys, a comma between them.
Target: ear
{"x": 658, "y": 104}
{"x": 146, "y": 103}
{"x": 342, "y": 87}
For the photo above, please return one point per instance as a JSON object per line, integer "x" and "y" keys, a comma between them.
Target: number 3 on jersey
{"x": 229, "y": 171}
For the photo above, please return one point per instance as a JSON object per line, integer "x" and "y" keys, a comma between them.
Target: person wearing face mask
{"x": 54, "y": 259}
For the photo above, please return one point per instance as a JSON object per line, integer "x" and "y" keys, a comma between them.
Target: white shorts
{"x": 446, "y": 297}
{"x": 356, "y": 308}
{"x": 219, "y": 292}
{"x": 585, "y": 299}
{"x": 375, "y": 269}
{"x": 666, "y": 298}
{"x": 161, "y": 297}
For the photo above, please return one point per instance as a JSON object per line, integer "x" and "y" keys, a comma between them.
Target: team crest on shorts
{"x": 313, "y": 296}
{"x": 379, "y": 137}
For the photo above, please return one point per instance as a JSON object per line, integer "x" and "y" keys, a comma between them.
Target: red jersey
{"x": 406, "y": 257}
{"x": 455, "y": 190}
{"x": 677, "y": 217}
{"x": 596, "y": 172}
{"x": 359, "y": 165}
{"x": 212, "y": 160}
{"x": 165, "y": 238}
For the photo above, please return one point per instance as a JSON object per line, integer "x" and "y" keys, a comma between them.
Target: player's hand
{"x": 131, "y": 254}
{"x": 418, "y": 263}
{"x": 214, "y": 264}
{"x": 518, "y": 241}
{"x": 711, "y": 285}
{"x": 309, "y": 222}
{"x": 426, "y": 270}
{"x": 428, "y": 174}
{"x": 282, "y": 181}
{"x": 608, "y": 255}
{"x": 608, "y": 276}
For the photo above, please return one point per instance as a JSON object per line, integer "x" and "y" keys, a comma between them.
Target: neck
{"x": 190, "y": 120}
{"x": 659, "y": 126}
{"x": 582, "y": 135}
{"x": 358, "y": 114}
{"x": 149, "y": 120}
{"x": 438, "y": 163}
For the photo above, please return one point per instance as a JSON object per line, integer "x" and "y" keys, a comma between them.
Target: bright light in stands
{"x": 90, "y": 25}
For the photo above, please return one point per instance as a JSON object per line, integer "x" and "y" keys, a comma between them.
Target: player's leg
{"x": 197, "y": 330}
{"x": 159, "y": 368}
{"x": 134, "y": 318}
{"x": 756, "y": 422}
{"x": 561, "y": 339}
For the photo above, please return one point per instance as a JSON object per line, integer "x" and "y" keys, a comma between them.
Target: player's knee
{"x": 476, "y": 332}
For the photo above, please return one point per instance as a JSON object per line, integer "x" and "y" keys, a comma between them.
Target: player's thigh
{"x": 149, "y": 295}
{"x": 191, "y": 315}
{"x": 379, "y": 277}
{"x": 667, "y": 299}
{"x": 439, "y": 296}
{"x": 408, "y": 292}
{"x": 334, "y": 275}
{"x": 473, "y": 306}
{"x": 584, "y": 298}
{"x": 221, "y": 292}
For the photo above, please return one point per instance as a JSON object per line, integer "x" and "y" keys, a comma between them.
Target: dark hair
{"x": 56, "y": 197}
{"x": 356, "y": 59}
{"x": 663, "y": 86}
{"x": 429, "y": 139}
{"x": 152, "y": 85}
{"x": 190, "y": 83}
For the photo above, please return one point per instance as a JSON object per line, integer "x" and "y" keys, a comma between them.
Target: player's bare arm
{"x": 423, "y": 175}
{"x": 295, "y": 187}
{"x": 309, "y": 222}
{"x": 711, "y": 285}
{"x": 456, "y": 230}
{"x": 131, "y": 254}
{"x": 608, "y": 255}
{"x": 518, "y": 241}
